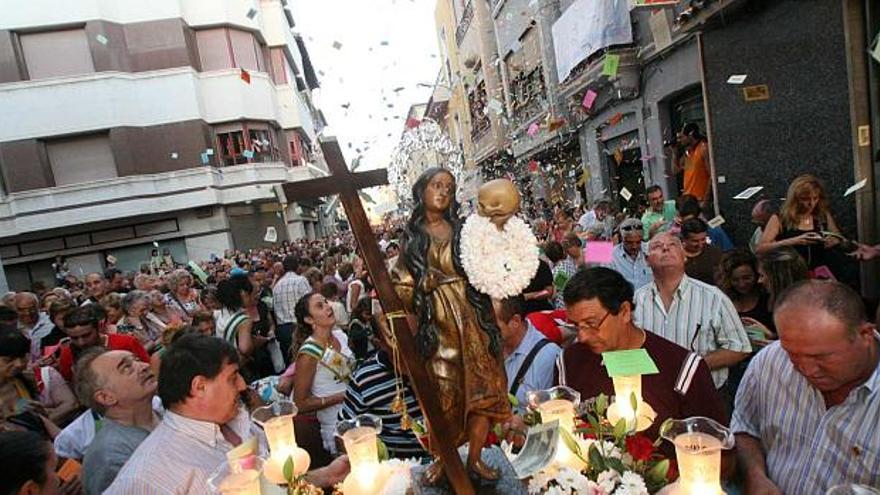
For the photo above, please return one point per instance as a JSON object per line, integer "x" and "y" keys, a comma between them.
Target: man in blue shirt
{"x": 529, "y": 357}
{"x": 629, "y": 258}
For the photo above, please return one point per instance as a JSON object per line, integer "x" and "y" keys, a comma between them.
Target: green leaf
{"x": 634, "y": 402}
{"x": 513, "y": 400}
{"x": 288, "y": 469}
{"x": 659, "y": 471}
{"x": 383, "y": 450}
{"x": 620, "y": 430}
{"x": 594, "y": 423}
{"x": 570, "y": 442}
{"x": 615, "y": 464}
{"x": 601, "y": 404}
{"x": 597, "y": 462}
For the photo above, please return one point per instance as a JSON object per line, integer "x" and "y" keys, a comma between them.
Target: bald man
{"x": 694, "y": 315}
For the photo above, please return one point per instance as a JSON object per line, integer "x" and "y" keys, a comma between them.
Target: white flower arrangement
{"x": 498, "y": 263}
{"x": 400, "y": 481}
{"x": 567, "y": 481}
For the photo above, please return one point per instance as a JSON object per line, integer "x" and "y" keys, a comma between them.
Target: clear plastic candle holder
{"x": 698, "y": 444}
{"x": 276, "y": 419}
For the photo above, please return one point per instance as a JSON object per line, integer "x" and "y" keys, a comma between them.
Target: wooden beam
{"x": 375, "y": 262}
{"x": 328, "y": 186}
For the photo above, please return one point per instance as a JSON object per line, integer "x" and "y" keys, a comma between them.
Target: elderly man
{"x": 199, "y": 386}
{"x": 694, "y": 315}
{"x": 34, "y": 324}
{"x": 808, "y": 406}
{"x": 600, "y": 302}
{"x": 629, "y": 257}
{"x": 96, "y": 288}
{"x": 120, "y": 387}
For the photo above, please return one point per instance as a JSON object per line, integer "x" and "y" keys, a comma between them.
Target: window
{"x": 299, "y": 149}
{"x": 224, "y": 48}
{"x": 281, "y": 73}
{"x": 240, "y": 143}
{"x": 81, "y": 159}
{"x": 57, "y": 53}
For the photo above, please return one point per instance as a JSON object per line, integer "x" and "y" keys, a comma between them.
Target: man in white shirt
{"x": 287, "y": 292}
{"x": 33, "y": 323}
{"x": 199, "y": 384}
{"x": 596, "y": 219}
{"x": 694, "y": 315}
{"x": 629, "y": 258}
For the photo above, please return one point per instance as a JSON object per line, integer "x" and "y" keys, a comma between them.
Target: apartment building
{"x": 128, "y": 126}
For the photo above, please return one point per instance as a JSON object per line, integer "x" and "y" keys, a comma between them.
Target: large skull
{"x": 498, "y": 200}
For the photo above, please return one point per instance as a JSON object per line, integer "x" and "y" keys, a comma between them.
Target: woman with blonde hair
{"x": 181, "y": 296}
{"x": 803, "y": 223}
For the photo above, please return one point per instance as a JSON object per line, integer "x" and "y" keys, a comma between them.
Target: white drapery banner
{"x": 586, "y": 27}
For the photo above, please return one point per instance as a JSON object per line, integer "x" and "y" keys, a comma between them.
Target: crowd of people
{"x": 126, "y": 383}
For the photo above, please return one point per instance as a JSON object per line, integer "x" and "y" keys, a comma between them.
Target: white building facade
{"x": 127, "y": 125}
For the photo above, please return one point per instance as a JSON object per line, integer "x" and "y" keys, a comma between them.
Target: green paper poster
{"x": 612, "y": 63}
{"x": 629, "y": 362}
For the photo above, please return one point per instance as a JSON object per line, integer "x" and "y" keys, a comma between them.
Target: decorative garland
{"x": 498, "y": 263}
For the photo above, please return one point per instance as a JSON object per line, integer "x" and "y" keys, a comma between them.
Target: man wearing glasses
{"x": 694, "y": 315}
{"x": 629, "y": 258}
{"x": 599, "y": 302}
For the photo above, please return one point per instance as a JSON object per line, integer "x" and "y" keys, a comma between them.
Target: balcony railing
{"x": 465, "y": 22}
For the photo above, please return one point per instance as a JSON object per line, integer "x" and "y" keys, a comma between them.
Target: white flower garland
{"x": 498, "y": 263}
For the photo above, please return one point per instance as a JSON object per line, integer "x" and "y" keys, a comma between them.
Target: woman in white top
{"x": 323, "y": 364}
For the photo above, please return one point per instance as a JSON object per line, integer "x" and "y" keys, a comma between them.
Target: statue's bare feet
{"x": 483, "y": 471}
{"x": 434, "y": 473}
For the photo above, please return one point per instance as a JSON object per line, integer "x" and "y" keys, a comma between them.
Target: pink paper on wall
{"x": 598, "y": 252}
{"x": 589, "y": 99}
{"x": 533, "y": 129}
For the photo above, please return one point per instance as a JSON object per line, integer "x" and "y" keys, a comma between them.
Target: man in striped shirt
{"x": 287, "y": 292}
{"x": 694, "y": 315}
{"x": 808, "y": 406}
{"x": 371, "y": 390}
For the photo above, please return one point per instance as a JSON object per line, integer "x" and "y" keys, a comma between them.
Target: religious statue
{"x": 456, "y": 332}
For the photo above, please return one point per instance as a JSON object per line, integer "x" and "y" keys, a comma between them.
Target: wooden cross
{"x": 346, "y": 184}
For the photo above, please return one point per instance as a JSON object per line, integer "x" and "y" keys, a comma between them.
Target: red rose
{"x": 492, "y": 439}
{"x": 639, "y": 447}
{"x": 672, "y": 474}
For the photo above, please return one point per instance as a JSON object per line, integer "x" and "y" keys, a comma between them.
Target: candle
{"x": 625, "y": 387}
{"x": 559, "y": 404}
{"x": 698, "y": 444}
{"x": 360, "y": 437}
{"x": 281, "y": 437}
{"x": 699, "y": 463}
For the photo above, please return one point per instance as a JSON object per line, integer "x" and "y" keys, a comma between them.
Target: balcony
{"x": 465, "y": 22}
{"x": 121, "y": 197}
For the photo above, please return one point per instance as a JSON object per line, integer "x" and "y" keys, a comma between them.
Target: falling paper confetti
{"x": 589, "y": 99}
{"x": 625, "y": 193}
{"x": 737, "y": 79}
{"x": 716, "y": 222}
{"x": 748, "y": 193}
{"x": 251, "y": 13}
{"x": 611, "y": 65}
{"x": 100, "y": 38}
{"x": 337, "y": 45}
{"x": 245, "y": 76}
{"x": 533, "y": 129}
{"x": 155, "y": 244}
{"x": 209, "y": 151}
{"x": 174, "y": 156}
{"x": 855, "y": 187}
{"x": 615, "y": 119}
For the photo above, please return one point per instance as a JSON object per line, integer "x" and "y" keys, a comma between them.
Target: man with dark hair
{"x": 28, "y": 465}
{"x": 287, "y": 292}
{"x": 116, "y": 281}
{"x": 596, "y": 222}
{"x": 599, "y": 302}
{"x": 808, "y": 406}
{"x": 199, "y": 385}
{"x": 528, "y": 355}
{"x": 120, "y": 388}
{"x": 694, "y": 162}
{"x": 701, "y": 258}
{"x": 81, "y": 326}
{"x": 658, "y": 217}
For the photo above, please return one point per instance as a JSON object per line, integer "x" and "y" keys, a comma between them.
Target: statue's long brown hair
{"x": 414, "y": 245}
